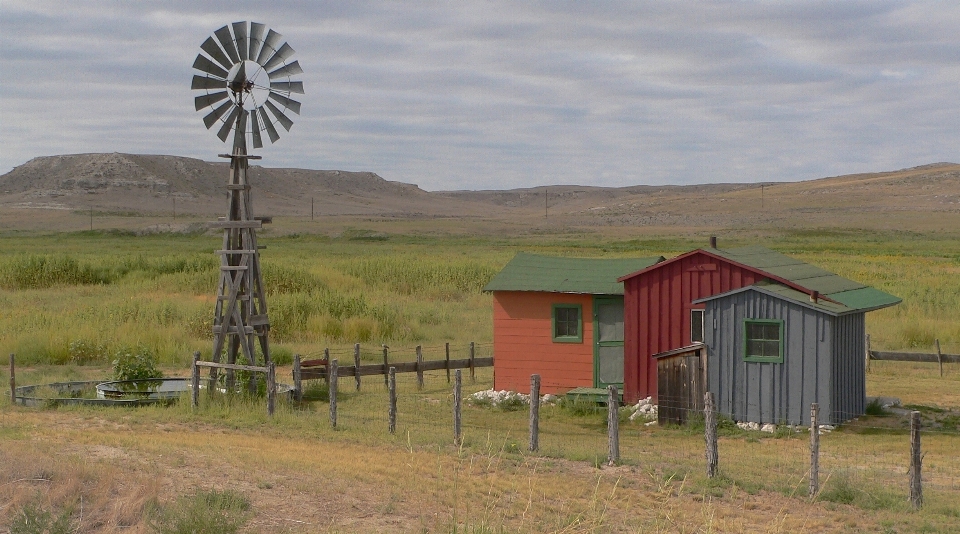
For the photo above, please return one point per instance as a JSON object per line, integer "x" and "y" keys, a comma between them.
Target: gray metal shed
{"x": 773, "y": 350}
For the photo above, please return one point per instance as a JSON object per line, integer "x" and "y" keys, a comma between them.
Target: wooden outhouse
{"x": 561, "y": 318}
{"x": 773, "y": 350}
{"x": 664, "y": 310}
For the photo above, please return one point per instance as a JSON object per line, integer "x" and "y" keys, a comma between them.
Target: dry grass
{"x": 302, "y": 476}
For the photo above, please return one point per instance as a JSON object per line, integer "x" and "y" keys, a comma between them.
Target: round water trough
{"x": 149, "y": 389}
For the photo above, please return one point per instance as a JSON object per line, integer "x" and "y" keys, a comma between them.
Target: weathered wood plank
{"x": 235, "y": 224}
{"x": 233, "y": 366}
{"x": 814, "y": 450}
{"x": 913, "y": 357}
{"x": 316, "y": 369}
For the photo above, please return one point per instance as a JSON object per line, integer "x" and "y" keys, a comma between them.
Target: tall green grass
{"x": 79, "y": 298}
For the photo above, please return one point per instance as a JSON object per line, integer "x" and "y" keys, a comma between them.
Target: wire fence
{"x": 864, "y": 462}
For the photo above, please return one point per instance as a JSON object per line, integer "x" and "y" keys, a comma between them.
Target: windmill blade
{"x": 289, "y": 103}
{"x": 228, "y": 123}
{"x": 243, "y": 44}
{"x": 256, "y": 39}
{"x": 255, "y": 117}
{"x": 269, "y": 46}
{"x": 240, "y": 137}
{"x": 240, "y": 76}
{"x": 285, "y": 51}
{"x": 287, "y": 70}
{"x": 281, "y": 118}
{"x": 206, "y": 82}
{"x": 203, "y": 101}
{"x": 213, "y": 50}
{"x": 289, "y": 87}
{"x": 226, "y": 40}
{"x": 215, "y": 115}
{"x": 211, "y": 68}
{"x": 268, "y": 124}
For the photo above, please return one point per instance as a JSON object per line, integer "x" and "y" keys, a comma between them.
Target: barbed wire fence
{"x": 865, "y": 462}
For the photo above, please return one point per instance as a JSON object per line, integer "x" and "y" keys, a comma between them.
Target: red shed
{"x": 561, "y": 318}
{"x": 659, "y": 314}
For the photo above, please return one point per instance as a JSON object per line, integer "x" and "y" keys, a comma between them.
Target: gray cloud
{"x": 495, "y": 94}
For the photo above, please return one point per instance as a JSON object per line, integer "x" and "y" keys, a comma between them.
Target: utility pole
{"x": 311, "y": 209}
{"x": 546, "y": 193}
{"x": 761, "y": 196}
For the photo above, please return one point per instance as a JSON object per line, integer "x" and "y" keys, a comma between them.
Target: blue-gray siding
{"x": 823, "y": 362}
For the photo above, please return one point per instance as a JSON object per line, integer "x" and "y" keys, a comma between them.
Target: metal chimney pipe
{"x": 815, "y": 296}
{"x": 713, "y": 241}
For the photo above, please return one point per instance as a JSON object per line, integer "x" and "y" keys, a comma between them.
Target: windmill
{"x": 246, "y": 83}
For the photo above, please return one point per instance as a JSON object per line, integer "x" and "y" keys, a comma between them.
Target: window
{"x": 763, "y": 340}
{"x": 567, "y": 323}
{"x": 696, "y": 326}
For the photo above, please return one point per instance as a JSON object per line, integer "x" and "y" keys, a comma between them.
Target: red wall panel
{"x": 523, "y": 343}
{"x": 657, "y": 311}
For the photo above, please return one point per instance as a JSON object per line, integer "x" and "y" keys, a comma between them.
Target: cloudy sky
{"x": 493, "y": 95}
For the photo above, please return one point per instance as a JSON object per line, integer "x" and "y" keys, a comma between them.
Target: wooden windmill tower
{"x": 246, "y": 81}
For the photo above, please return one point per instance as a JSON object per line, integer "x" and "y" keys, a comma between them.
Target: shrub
{"x": 32, "y": 519}
{"x": 204, "y": 511}
{"x": 138, "y": 364}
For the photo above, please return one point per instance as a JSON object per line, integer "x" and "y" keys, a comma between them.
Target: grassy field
{"x": 71, "y": 301}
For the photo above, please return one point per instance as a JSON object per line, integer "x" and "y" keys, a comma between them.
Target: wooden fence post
{"x": 448, "y": 361}
{"x": 939, "y": 358}
{"x": 534, "y": 413}
{"x": 457, "y": 404}
{"x": 613, "y": 425}
{"x": 916, "y": 481}
{"x": 710, "y": 433}
{"x": 326, "y": 356}
{"x": 13, "y": 381}
{"x": 297, "y": 378}
{"x": 473, "y": 375}
{"x": 814, "y": 449}
{"x": 356, "y": 364}
{"x": 271, "y": 388}
{"x": 386, "y": 368}
{"x": 866, "y": 353}
{"x": 195, "y": 382}
{"x": 334, "y": 380}
{"x": 392, "y": 387}
{"x": 419, "y": 367}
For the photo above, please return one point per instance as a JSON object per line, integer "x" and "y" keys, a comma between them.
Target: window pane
{"x": 610, "y": 365}
{"x": 696, "y": 326}
{"x": 567, "y": 322}
{"x": 610, "y": 317}
{"x": 771, "y": 331}
{"x": 763, "y": 340}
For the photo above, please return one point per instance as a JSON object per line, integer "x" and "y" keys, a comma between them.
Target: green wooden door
{"x": 608, "y": 342}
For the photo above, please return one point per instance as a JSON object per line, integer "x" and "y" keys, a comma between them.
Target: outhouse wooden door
{"x": 608, "y": 342}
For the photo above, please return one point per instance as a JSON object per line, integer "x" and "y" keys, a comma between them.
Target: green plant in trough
{"x": 136, "y": 364}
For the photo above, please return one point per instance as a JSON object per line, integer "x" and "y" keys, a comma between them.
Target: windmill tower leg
{"x": 241, "y": 310}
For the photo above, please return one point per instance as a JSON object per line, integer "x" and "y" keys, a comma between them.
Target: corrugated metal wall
{"x": 780, "y": 392}
{"x": 657, "y": 308}
{"x": 849, "y": 373}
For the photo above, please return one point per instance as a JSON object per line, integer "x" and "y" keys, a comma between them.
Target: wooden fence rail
{"x": 913, "y": 357}
{"x": 319, "y": 371}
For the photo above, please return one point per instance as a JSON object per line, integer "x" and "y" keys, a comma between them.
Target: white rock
{"x": 769, "y": 428}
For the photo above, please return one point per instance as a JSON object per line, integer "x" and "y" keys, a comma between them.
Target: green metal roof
{"x": 595, "y": 276}
{"x": 851, "y": 294}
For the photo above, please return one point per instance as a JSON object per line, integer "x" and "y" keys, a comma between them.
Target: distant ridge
{"x": 152, "y": 184}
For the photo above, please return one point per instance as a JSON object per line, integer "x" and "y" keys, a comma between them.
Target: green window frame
{"x": 763, "y": 340}
{"x": 567, "y": 323}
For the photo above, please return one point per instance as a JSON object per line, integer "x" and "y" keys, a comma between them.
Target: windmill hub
{"x": 249, "y": 85}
